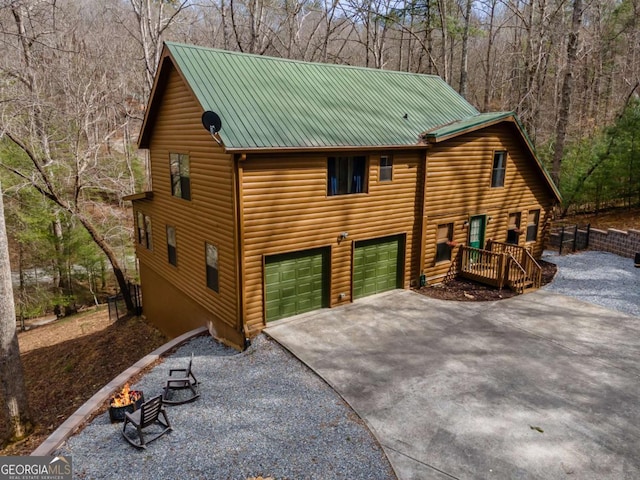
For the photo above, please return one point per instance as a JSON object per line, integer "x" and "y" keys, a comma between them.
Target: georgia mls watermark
{"x": 35, "y": 468}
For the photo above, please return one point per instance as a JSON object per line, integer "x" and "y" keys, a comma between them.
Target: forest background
{"x": 75, "y": 76}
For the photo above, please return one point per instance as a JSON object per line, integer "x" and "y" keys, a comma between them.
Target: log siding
{"x": 285, "y": 208}
{"x": 254, "y": 203}
{"x": 458, "y": 186}
{"x": 209, "y": 216}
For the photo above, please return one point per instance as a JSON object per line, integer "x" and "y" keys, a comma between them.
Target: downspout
{"x": 239, "y": 245}
{"x": 423, "y": 222}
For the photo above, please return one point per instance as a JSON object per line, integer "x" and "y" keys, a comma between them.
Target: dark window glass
{"x": 443, "y": 245}
{"x": 180, "y": 175}
{"x": 499, "y": 167}
{"x": 386, "y": 168}
{"x": 513, "y": 228}
{"x": 212, "y": 267}
{"x": 147, "y": 228}
{"x": 532, "y": 225}
{"x": 142, "y": 237}
{"x": 346, "y": 175}
{"x": 171, "y": 245}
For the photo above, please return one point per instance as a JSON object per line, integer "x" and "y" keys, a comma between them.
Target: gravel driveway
{"x": 600, "y": 278}
{"x": 261, "y": 413}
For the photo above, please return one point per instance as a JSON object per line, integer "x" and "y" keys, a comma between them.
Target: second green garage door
{"x": 296, "y": 283}
{"x": 377, "y": 265}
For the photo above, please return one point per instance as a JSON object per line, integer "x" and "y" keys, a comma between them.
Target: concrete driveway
{"x": 537, "y": 386}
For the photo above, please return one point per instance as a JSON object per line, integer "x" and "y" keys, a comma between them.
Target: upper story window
{"x": 513, "y": 228}
{"x": 180, "y": 175}
{"x": 386, "y": 168}
{"x": 499, "y": 168}
{"x": 444, "y": 238}
{"x": 533, "y": 220}
{"x": 346, "y": 175}
{"x": 211, "y": 254}
{"x": 172, "y": 250}
{"x": 144, "y": 230}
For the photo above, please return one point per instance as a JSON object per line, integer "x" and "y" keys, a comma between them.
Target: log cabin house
{"x": 324, "y": 184}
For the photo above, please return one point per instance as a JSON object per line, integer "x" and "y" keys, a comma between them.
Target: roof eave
{"x": 433, "y": 137}
{"x": 151, "y": 110}
{"x": 326, "y": 148}
{"x": 532, "y": 150}
{"x": 148, "y": 195}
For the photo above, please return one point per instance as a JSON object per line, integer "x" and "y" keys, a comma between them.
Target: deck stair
{"x": 500, "y": 265}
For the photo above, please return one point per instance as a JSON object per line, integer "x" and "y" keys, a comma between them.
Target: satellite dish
{"x": 212, "y": 122}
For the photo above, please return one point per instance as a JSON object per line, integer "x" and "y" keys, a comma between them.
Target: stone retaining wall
{"x": 625, "y": 244}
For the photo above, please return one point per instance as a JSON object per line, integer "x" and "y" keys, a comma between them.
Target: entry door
{"x": 477, "y": 226}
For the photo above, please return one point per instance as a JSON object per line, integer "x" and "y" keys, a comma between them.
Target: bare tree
{"x": 153, "y": 18}
{"x": 464, "y": 64}
{"x": 442, "y": 10}
{"x": 567, "y": 88}
{"x": 12, "y": 388}
{"x": 58, "y": 112}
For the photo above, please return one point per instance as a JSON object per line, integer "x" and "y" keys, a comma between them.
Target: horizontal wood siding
{"x": 209, "y": 215}
{"x": 286, "y": 209}
{"x": 458, "y": 186}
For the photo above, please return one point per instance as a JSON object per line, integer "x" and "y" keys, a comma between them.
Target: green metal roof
{"x": 267, "y": 102}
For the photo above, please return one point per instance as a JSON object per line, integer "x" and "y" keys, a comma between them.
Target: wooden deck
{"x": 500, "y": 265}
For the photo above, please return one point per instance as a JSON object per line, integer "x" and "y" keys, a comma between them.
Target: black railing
{"x": 118, "y": 307}
{"x": 570, "y": 238}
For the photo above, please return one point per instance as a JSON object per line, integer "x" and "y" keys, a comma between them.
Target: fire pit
{"x": 126, "y": 400}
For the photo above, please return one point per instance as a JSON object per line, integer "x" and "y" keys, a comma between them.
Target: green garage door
{"x": 295, "y": 283}
{"x": 377, "y": 266}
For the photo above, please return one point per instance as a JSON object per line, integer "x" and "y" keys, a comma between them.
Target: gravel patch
{"x": 601, "y": 278}
{"x": 261, "y": 413}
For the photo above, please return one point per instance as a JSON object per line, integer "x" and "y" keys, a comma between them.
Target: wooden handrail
{"x": 533, "y": 268}
{"x": 502, "y": 264}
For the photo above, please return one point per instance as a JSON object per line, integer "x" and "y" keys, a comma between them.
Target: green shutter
{"x": 377, "y": 266}
{"x": 295, "y": 283}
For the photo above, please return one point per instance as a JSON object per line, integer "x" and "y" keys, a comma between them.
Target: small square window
{"x": 180, "y": 175}
{"x": 386, "y": 168}
{"x": 499, "y": 168}
{"x": 172, "y": 251}
{"x": 533, "y": 221}
{"x": 212, "y": 267}
{"x": 444, "y": 238}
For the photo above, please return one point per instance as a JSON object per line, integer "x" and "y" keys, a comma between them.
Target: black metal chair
{"x": 148, "y": 414}
{"x": 184, "y": 379}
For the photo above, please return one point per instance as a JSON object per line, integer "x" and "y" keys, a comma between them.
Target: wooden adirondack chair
{"x": 148, "y": 414}
{"x": 181, "y": 379}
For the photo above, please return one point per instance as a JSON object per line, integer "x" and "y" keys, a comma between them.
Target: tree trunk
{"x": 111, "y": 256}
{"x": 567, "y": 88}
{"x": 465, "y": 51}
{"x": 442, "y": 8}
{"x": 488, "y": 71}
{"x": 12, "y": 388}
